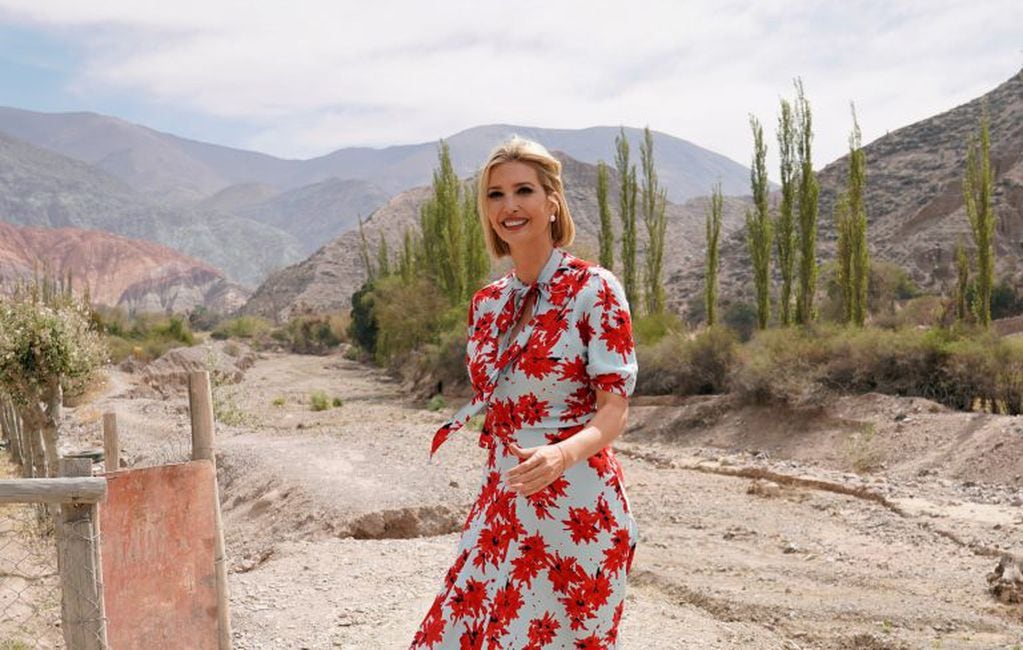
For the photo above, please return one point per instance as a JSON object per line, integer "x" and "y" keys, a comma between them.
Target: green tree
{"x": 808, "y": 193}
{"x": 710, "y": 291}
{"x": 364, "y": 253}
{"x": 655, "y": 201}
{"x": 627, "y": 213}
{"x": 48, "y": 343}
{"x": 758, "y": 227}
{"x": 607, "y": 235}
{"x": 859, "y": 255}
{"x": 383, "y": 259}
{"x": 442, "y": 224}
{"x": 851, "y": 223}
{"x": 407, "y": 261}
{"x": 477, "y": 261}
{"x": 962, "y": 282}
{"x": 978, "y": 192}
{"x": 785, "y": 226}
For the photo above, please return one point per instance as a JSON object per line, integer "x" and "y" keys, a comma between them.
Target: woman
{"x": 546, "y": 547}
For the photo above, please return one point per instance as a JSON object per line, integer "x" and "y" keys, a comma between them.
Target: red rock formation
{"x": 117, "y": 270}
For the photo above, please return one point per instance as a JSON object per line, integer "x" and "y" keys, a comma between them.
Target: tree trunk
{"x": 51, "y": 422}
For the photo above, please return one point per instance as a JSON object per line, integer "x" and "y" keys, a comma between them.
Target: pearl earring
{"x": 553, "y": 218}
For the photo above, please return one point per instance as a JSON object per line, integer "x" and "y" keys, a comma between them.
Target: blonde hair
{"x": 548, "y": 170}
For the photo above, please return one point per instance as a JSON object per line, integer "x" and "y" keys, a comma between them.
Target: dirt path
{"x": 339, "y": 528}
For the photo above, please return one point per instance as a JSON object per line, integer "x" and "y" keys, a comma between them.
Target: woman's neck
{"x": 529, "y": 262}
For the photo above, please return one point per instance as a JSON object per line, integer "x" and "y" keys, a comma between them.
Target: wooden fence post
{"x": 83, "y": 619}
{"x": 111, "y": 443}
{"x": 200, "y": 405}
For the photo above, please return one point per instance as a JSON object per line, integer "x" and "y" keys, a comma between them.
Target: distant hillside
{"x": 326, "y": 195}
{"x": 40, "y": 188}
{"x": 137, "y": 275}
{"x": 914, "y": 198}
{"x": 178, "y": 170}
{"x": 317, "y": 213}
{"x": 326, "y": 281}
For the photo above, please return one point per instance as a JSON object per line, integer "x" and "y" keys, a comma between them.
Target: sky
{"x": 300, "y": 79}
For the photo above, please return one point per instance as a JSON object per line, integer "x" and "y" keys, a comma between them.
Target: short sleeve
{"x": 611, "y": 353}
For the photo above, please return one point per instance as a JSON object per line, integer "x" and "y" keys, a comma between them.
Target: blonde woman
{"x": 544, "y": 554}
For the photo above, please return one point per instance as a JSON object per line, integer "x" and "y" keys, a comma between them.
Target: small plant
{"x": 436, "y": 403}
{"x": 337, "y": 403}
{"x": 279, "y": 401}
{"x": 319, "y": 401}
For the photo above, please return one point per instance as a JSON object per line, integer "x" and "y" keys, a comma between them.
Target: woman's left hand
{"x": 538, "y": 468}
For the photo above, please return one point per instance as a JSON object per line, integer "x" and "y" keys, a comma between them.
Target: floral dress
{"x": 548, "y": 570}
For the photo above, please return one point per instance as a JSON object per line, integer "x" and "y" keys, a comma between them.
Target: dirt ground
{"x": 872, "y": 523}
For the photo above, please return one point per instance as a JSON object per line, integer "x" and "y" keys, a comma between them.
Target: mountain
{"x": 44, "y": 189}
{"x": 138, "y": 275}
{"x": 326, "y": 281}
{"x": 178, "y": 170}
{"x": 317, "y": 213}
{"x": 914, "y": 199}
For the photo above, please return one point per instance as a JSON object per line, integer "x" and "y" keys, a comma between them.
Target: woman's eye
{"x": 525, "y": 190}
{"x": 494, "y": 195}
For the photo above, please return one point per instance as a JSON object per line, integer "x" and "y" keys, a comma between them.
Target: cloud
{"x": 313, "y": 76}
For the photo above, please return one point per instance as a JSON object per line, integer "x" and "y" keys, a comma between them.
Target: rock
{"x": 767, "y": 489}
{"x": 1006, "y": 582}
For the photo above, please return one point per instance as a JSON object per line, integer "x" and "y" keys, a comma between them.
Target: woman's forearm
{"x": 607, "y": 424}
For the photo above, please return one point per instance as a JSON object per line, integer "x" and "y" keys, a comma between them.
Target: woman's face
{"x": 518, "y": 208}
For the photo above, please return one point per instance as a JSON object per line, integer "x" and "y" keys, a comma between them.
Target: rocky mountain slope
{"x": 44, "y": 189}
{"x": 914, "y": 198}
{"x": 137, "y": 275}
{"x": 326, "y": 281}
{"x": 317, "y": 213}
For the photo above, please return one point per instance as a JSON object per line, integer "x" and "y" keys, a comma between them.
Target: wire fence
{"x": 30, "y": 591}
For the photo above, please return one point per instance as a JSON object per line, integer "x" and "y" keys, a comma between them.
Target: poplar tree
{"x": 655, "y": 201}
{"x": 843, "y": 254}
{"x": 978, "y": 191}
{"x": 383, "y": 259}
{"x": 758, "y": 227}
{"x": 785, "y": 229}
{"x": 443, "y": 230}
{"x": 859, "y": 256}
{"x": 962, "y": 282}
{"x": 477, "y": 265}
{"x": 627, "y": 214}
{"x": 607, "y": 236}
{"x": 808, "y": 192}
{"x": 407, "y": 261}
{"x": 364, "y": 253}
{"x": 710, "y": 293}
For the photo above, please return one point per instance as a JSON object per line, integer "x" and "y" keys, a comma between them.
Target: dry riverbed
{"x": 872, "y": 523}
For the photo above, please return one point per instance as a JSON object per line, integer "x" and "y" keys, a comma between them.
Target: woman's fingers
{"x": 538, "y": 471}
{"x": 521, "y": 453}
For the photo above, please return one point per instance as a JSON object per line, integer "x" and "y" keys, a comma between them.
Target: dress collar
{"x": 554, "y": 262}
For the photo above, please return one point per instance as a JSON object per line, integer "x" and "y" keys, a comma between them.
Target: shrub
{"x": 408, "y": 316}
{"x": 315, "y": 334}
{"x": 319, "y": 401}
{"x": 652, "y": 328}
{"x": 741, "y": 317}
{"x": 242, "y": 327}
{"x": 336, "y": 402}
{"x": 444, "y": 360}
{"x": 695, "y": 365}
{"x": 436, "y": 403}
{"x": 780, "y": 365}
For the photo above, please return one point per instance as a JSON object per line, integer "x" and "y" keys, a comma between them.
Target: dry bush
{"x": 699, "y": 364}
{"x": 781, "y": 366}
